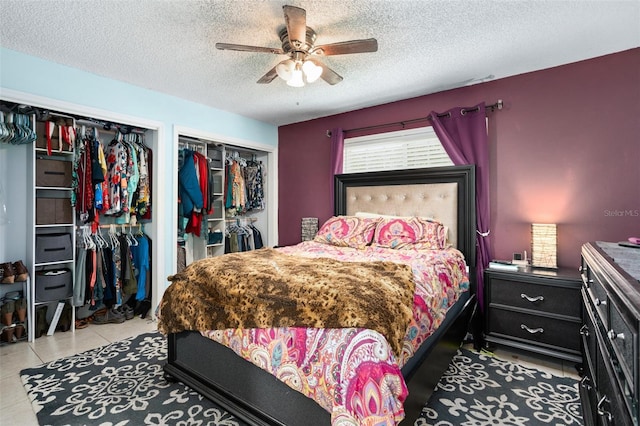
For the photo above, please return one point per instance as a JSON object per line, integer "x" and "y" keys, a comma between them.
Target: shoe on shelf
{"x": 64, "y": 323}
{"x": 7, "y": 334}
{"x": 19, "y": 331}
{"x": 21, "y": 273}
{"x": 21, "y": 309}
{"x": 41, "y": 325}
{"x": 108, "y": 316}
{"x": 8, "y": 274}
{"x": 7, "y": 310}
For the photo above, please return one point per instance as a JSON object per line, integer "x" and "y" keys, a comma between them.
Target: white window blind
{"x": 404, "y": 149}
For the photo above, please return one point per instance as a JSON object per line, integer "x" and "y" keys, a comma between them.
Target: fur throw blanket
{"x": 266, "y": 288}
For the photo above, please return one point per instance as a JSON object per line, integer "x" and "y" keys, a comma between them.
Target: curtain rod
{"x": 498, "y": 105}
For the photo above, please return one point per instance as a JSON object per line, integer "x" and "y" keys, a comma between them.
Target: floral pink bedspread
{"x": 352, "y": 372}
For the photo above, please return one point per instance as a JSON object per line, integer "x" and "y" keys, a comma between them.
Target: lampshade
{"x": 544, "y": 245}
{"x": 311, "y": 71}
{"x": 309, "y": 228}
{"x": 296, "y": 78}
{"x": 285, "y": 69}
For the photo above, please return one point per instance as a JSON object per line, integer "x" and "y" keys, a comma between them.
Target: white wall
{"x": 44, "y": 83}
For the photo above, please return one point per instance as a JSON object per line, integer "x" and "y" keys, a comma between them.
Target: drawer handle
{"x": 601, "y": 302}
{"x": 602, "y": 412}
{"x": 585, "y": 382}
{"x": 613, "y": 335}
{"x": 584, "y": 331}
{"x": 532, "y": 299}
{"x": 532, "y": 330}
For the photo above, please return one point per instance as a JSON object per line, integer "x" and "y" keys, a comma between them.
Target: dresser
{"x": 536, "y": 310}
{"x": 611, "y": 303}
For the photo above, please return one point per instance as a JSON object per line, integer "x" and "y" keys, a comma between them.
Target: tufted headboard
{"x": 437, "y": 201}
{"x": 446, "y": 194}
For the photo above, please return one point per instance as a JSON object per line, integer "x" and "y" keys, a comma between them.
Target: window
{"x": 404, "y": 149}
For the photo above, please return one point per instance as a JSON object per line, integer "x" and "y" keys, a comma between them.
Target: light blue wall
{"x": 41, "y": 78}
{"x": 36, "y": 76}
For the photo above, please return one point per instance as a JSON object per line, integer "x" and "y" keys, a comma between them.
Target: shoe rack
{"x": 51, "y": 247}
{"x": 14, "y": 303}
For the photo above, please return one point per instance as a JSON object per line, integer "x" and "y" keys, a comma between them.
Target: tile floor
{"x": 15, "y": 408}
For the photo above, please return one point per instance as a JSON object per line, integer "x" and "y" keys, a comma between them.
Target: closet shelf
{"x": 54, "y": 188}
{"x": 54, "y": 263}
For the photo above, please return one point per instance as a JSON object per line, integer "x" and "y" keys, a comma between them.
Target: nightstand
{"x": 537, "y": 310}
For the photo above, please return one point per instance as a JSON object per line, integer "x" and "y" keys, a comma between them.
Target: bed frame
{"x": 258, "y": 398}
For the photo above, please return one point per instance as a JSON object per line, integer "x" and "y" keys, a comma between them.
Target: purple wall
{"x": 565, "y": 149}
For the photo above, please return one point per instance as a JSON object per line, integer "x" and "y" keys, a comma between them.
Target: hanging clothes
{"x": 255, "y": 187}
{"x": 140, "y": 255}
{"x": 117, "y": 160}
{"x": 244, "y": 186}
{"x": 193, "y": 184}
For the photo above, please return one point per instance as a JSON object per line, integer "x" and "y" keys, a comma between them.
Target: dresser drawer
{"x": 543, "y": 298}
{"x": 534, "y": 328}
{"x": 624, "y": 342}
{"x": 589, "y": 337}
{"x": 598, "y": 296}
{"x": 611, "y": 407}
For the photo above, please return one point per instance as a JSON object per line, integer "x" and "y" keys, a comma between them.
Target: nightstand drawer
{"x": 535, "y": 329}
{"x": 543, "y": 298}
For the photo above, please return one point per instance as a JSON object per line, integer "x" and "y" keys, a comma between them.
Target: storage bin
{"x": 53, "y": 247}
{"x": 215, "y": 157}
{"x": 53, "y": 173}
{"x": 52, "y": 211}
{"x": 217, "y": 184}
{"x": 217, "y": 209}
{"x": 54, "y": 284}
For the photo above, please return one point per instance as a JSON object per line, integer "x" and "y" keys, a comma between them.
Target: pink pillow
{"x": 410, "y": 233}
{"x": 347, "y": 231}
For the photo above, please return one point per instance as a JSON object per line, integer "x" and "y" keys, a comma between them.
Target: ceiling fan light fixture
{"x": 296, "y": 78}
{"x": 285, "y": 69}
{"x": 311, "y": 71}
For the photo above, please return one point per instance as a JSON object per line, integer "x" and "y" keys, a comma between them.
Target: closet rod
{"x": 238, "y": 219}
{"x": 109, "y": 127}
{"x": 116, "y": 225}
{"x": 45, "y": 114}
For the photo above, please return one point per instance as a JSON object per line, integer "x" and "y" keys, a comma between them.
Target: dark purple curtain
{"x": 463, "y": 133}
{"x": 337, "y": 155}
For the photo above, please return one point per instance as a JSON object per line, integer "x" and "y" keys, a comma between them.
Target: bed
{"x": 446, "y": 194}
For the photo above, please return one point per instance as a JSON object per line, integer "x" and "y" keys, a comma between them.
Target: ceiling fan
{"x": 298, "y": 42}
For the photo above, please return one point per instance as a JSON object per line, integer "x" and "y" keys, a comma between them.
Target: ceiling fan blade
{"x": 245, "y": 48}
{"x": 268, "y": 77}
{"x": 328, "y": 75}
{"x": 347, "y": 47}
{"x": 296, "y": 20}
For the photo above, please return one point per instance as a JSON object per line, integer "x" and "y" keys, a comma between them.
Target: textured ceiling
{"x": 424, "y": 46}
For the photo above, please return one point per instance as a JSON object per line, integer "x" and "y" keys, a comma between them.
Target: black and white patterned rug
{"x": 123, "y": 384}
{"x": 118, "y": 384}
{"x": 479, "y": 389}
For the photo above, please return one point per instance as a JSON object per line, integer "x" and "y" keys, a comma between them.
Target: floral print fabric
{"x": 347, "y": 231}
{"x": 352, "y": 372}
{"x": 410, "y": 233}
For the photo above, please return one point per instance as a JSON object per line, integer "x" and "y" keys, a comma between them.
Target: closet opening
{"x": 239, "y": 197}
{"x": 59, "y": 206}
